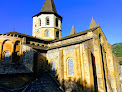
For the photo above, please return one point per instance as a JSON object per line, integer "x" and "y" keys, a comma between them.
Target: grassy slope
{"x": 117, "y": 49}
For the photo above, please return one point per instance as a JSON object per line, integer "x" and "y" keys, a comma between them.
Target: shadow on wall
{"x": 71, "y": 84}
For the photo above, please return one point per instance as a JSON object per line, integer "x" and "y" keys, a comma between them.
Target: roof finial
{"x": 98, "y": 24}
{"x": 73, "y": 31}
{"x": 93, "y": 24}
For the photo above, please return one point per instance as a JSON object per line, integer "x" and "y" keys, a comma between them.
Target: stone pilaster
{"x": 111, "y": 70}
{"x": 99, "y": 67}
{"x": 82, "y": 66}
{"x": 78, "y": 63}
{"x": 61, "y": 66}
{"x": 86, "y": 69}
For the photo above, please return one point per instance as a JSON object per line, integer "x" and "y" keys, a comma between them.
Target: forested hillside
{"x": 117, "y": 49}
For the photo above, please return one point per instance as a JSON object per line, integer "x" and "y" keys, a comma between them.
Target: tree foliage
{"x": 117, "y": 49}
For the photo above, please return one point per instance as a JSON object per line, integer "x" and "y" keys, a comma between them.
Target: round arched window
{"x": 47, "y": 21}
{"x": 38, "y": 33}
{"x": 47, "y": 34}
{"x": 70, "y": 66}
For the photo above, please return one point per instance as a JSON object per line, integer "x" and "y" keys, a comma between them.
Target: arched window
{"x": 56, "y": 22}
{"x": 38, "y": 33}
{"x": 47, "y": 34}
{"x": 47, "y": 21}
{"x": 24, "y": 56}
{"x": 70, "y": 66}
{"x": 57, "y": 34}
{"x": 39, "y": 21}
{"x": 53, "y": 67}
{"x": 6, "y": 58}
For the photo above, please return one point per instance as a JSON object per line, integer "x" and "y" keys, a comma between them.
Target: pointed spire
{"x": 93, "y": 24}
{"x": 49, "y": 6}
{"x": 73, "y": 31}
{"x": 98, "y": 24}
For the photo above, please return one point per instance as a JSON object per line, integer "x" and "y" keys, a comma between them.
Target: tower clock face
{"x": 38, "y": 33}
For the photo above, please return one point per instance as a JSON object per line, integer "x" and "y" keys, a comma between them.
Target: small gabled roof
{"x": 73, "y": 31}
{"x": 93, "y": 24}
{"x": 49, "y": 6}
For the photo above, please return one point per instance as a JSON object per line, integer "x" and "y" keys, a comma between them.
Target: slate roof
{"x": 45, "y": 83}
{"x": 24, "y": 35}
{"x": 52, "y": 41}
{"x": 75, "y": 35}
{"x": 37, "y": 47}
{"x": 12, "y": 68}
{"x": 49, "y": 6}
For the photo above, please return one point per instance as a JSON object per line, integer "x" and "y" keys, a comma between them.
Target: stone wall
{"x": 29, "y": 56}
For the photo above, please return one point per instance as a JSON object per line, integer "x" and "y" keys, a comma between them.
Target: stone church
{"x": 83, "y": 58}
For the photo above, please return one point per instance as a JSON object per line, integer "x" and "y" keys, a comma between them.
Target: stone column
{"x": 99, "y": 67}
{"x": 12, "y": 51}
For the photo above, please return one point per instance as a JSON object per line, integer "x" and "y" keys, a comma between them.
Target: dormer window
{"x": 56, "y": 22}
{"x": 47, "y": 21}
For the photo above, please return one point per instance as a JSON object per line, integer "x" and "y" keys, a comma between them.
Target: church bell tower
{"x": 47, "y": 23}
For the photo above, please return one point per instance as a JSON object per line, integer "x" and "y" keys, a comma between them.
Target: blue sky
{"x": 108, "y": 13}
